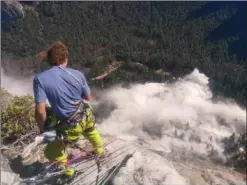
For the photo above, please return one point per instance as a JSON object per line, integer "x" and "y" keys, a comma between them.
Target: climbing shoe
{"x": 67, "y": 179}
{"x": 70, "y": 171}
{"x": 101, "y": 156}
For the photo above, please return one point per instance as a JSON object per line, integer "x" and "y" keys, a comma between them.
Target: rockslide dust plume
{"x": 17, "y": 87}
{"x": 179, "y": 116}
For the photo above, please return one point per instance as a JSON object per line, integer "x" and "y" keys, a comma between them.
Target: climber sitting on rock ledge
{"x": 65, "y": 89}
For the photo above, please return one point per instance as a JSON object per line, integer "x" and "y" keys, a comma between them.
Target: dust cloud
{"x": 180, "y": 118}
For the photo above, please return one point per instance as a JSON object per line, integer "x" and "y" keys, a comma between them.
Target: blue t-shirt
{"x": 61, "y": 89}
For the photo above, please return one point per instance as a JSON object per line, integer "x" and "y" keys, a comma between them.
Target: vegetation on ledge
{"x": 17, "y": 116}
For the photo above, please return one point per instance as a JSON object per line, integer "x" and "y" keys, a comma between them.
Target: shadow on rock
{"x": 25, "y": 171}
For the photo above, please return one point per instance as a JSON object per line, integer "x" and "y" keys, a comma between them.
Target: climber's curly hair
{"x": 57, "y": 54}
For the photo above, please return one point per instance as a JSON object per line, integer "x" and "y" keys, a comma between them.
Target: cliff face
{"x": 7, "y": 176}
{"x": 11, "y": 10}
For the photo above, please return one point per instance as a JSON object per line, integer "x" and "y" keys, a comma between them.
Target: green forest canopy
{"x": 159, "y": 35}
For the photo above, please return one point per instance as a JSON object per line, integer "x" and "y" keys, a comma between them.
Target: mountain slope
{"x": 159, "y": 35}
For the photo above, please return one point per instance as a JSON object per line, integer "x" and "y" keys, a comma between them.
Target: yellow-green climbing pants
{"x": 55, "y": 149}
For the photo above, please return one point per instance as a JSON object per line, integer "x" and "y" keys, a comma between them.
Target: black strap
{"x": 80, "y": 109}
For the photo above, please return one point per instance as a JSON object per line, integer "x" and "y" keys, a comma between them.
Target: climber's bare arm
{"x": 40, "y": 103}
{"x": 40, "y": 115}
